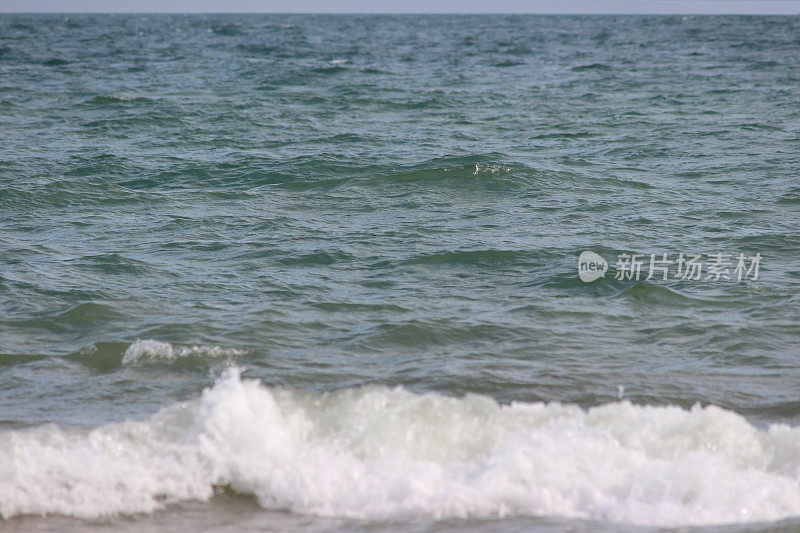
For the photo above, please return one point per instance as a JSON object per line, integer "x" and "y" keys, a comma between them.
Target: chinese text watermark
{"x": 662, "y": 267}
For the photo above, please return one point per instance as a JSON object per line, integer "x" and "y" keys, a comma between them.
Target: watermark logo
{"x": 717, "y": 266}
{"x": 591, "y": 266}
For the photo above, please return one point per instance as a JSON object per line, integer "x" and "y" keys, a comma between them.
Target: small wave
{"x": 655, "y": 294}
{"x": 21, "y": 26}
{"x": 79, "y": 314}
{"x": 228, "y": 30}
{"x": 327, "y": 71}
{"x": 114, "y": 263}
{"x": 763, "y": 65}
{"x": 257, "y": 48}
{"x": 55, "y": 62}
{"x": 497, "y": 174}
{"x": 507, "y": 63}
{"x": 112, "y": 100}
{"x": 593, "y": 66}
{"x": 481, "y": 168}
{"x": 153, "y": 349}
{"x": 9, "y": 359}
{"x": 318, "y": 257}
{"x": 379, "y": 453}
{"x": 791, "y": 197}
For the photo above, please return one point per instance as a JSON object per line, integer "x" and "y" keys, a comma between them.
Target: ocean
{"x": 399, "y": 273}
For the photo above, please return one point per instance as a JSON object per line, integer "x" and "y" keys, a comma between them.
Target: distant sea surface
{"x": 321, "y": 273}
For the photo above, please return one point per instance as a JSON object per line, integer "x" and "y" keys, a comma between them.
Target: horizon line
{"x": 349, "y": 13}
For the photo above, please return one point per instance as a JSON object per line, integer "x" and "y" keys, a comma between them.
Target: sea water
{"x": 276, "y": 272}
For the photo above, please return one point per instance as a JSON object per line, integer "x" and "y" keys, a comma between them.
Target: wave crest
{"x": 153, "y": 349}
{"x": 380, "y": 453}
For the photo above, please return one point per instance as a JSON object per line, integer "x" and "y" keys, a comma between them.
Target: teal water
{"x": 378, "y": 219}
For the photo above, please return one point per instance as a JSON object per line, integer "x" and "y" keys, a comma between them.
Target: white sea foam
{"x": 382, "y": 453}
{"x": 493, "y": 169}
{"x": 152, "y": 349}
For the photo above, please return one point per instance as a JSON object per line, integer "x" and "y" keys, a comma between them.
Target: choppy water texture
{"x": 373, "y": 223}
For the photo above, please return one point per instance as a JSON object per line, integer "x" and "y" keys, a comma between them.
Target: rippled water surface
{"x": 374, "y": 223}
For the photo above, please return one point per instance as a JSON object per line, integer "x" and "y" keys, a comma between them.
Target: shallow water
{"x": 378, "y": 219}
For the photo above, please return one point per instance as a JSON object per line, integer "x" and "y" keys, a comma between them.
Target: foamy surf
{"x": 154, "y": 350}
{"x": 380, "y": 453}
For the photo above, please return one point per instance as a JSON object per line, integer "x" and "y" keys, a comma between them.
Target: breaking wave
{"x": 381, "y": 453}
{"x": 153, "y": 349}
